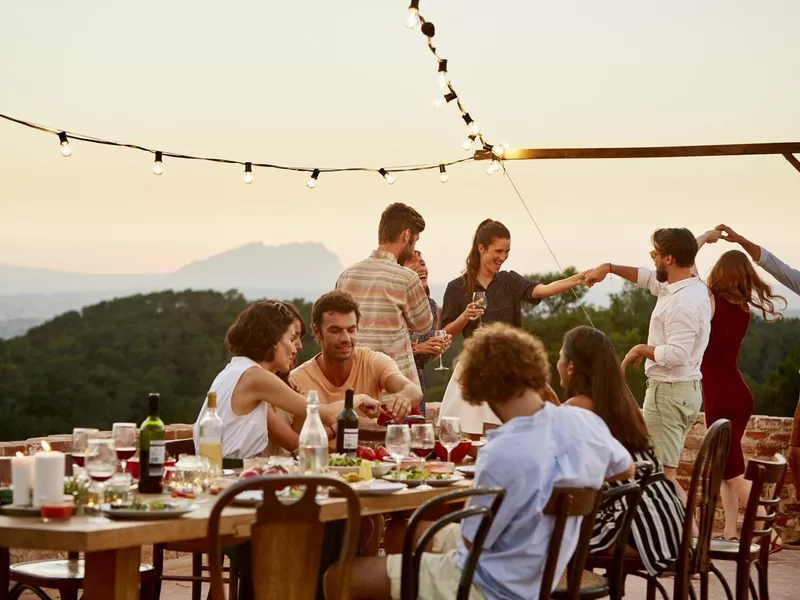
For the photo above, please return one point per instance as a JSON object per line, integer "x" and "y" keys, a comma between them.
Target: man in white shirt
{"x": 678, "y": 336}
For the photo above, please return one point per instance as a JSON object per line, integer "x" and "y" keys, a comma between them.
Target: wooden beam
{"x": 793, "y": 161}
{"x": 784, "y": 148}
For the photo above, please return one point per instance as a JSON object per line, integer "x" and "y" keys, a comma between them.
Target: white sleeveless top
{"x": 242, "y": 436}
{"x": 471, "y": 417}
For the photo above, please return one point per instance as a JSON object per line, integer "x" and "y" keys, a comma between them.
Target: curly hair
{"x": 335, "y": 301}
{"x": 500, "y": 362}
{"x": 258, "y": 329}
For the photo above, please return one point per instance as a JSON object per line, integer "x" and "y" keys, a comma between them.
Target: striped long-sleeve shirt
{"x": 392, "y": 302}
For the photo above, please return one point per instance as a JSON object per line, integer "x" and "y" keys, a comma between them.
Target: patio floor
{"x": 784, "y": 580}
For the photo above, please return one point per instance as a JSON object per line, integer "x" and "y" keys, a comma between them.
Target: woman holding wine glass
{"x": 486, "y": 294}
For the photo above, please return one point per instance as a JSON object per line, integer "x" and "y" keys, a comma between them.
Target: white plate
{"x": 228, "y": 472}
{"x": 126, "y": 514}
{"x": 454, "y": 478}
{"x": 468, "y": 470}
{"x": 377, "y": 487}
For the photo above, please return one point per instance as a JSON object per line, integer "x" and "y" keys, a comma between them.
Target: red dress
{"x": 725, "y": 393}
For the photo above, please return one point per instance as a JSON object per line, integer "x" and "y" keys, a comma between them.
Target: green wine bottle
{"x": 152, "y": 450}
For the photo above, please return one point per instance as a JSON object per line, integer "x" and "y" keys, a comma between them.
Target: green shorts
{"x": 669, "y": 411}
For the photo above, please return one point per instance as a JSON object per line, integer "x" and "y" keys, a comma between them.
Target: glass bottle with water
{"x": 312, "y": 452}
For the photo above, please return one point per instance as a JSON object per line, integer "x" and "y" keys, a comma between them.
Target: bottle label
{"x": 158, "y": 454}
{"x": 350, "y": 440}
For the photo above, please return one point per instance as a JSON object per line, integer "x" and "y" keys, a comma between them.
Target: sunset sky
{"x": 320, "y": 83}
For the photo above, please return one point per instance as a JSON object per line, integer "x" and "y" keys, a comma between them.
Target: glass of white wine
{"x": 479, "y": 301}
{"x": 441, "y": 334}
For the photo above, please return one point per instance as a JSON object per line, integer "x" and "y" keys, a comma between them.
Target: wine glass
{"x": 479, "y": 300}
{"x": 450, "y": 433}
{"x": 124, "y": 435}
{"x": 423, "y": 442}
{"x": 398, "y": 443}
{"x": 80, "y": 441}
{"x": 441, "y": 333}
{"x": 101, "y": 463}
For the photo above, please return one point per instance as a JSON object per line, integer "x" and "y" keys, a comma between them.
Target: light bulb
{"x": 158, "y": 166}
{"x": 474, "y": 128}
{"x": 443, "y": 176}
{"x": 386, "y": 175}
{"x": 439, "y": 102}
{"x": 442, "y": 79}
{"x": 498, "y": 150}
{"x": 466, "y": 145}
{"x": 493, "y": 168}
{"x": 248, "y": 172}
{"x": 66, "y": 149}
{"x": 312, "y": 181}
{"x": 412, "y": 20}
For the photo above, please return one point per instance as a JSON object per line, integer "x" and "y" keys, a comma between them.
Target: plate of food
{"x": 377, "y": 487}
{"x": 342, "y": 464}
{"x": 15, "y": 510}
{"x": 148, "y": 511}
{"x": 413, "y": 477}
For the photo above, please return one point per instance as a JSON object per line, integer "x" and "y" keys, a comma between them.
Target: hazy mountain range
{"x": 31, "y": 296}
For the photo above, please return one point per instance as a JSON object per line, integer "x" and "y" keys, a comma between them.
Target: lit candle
{"x": 22, "y": 478}
{"x": 48, "y": 475}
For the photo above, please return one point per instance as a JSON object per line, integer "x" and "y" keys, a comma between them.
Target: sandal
{"x": 774, "y": 547}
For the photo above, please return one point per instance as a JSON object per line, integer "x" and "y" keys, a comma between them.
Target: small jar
{"x": 56, "y": 510}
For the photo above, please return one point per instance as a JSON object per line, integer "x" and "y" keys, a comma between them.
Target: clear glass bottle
{"x": 209, "y": 435}
{"x": 312, "y": 452}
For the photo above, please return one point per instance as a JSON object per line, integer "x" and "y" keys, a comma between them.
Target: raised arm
{"x": 545, "y": 290}
{"x": 598, "y": 274}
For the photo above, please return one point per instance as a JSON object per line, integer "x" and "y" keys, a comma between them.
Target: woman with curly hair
{"x": 734, "y": 287}
{"x": 261, "y": 341}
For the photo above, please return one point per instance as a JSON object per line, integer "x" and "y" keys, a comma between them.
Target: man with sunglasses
{"x": 679, "y": 328}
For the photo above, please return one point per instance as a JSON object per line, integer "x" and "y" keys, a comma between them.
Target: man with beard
{"x": 679, "y": 328}
{"x": 391, "y": 298}
{"x": 341, "y": 366}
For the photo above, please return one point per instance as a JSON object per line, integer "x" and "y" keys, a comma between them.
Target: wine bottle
{"x": 152, "y": 450}
{"x": 209, "y": 433}
{"x": 347, "y": 431}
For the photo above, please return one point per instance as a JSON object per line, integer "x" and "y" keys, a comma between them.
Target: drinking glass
{"x": 479, "y": 300}
{"x": 80, "y": 441}
{"x": 124, "y": 435}
{"x": 423, "y": 442}
{"x": 398, "y": 443}
{"x": 101, "y": 463}
{"x": 450, "y": 433}
{"x": 441, "y": 333}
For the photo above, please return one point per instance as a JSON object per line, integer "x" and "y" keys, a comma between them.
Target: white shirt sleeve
{"x": 682, "y": 326}
{"x": 647, "y": 279}
{"x": 619, "y": 460}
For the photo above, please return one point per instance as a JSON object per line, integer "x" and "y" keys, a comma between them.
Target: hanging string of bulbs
{"x": 448, "y": 94}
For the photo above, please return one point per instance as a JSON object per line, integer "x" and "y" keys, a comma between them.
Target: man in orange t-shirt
{"x": 341, "y": 366}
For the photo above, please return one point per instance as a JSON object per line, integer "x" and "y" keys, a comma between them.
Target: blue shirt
{"x": 529, "y": 456}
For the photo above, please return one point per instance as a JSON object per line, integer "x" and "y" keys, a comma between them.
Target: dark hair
{"x": 598, "y": 375}
{"x": 485, "y": 234}
{"x": 500, "y": 362}
{"x": 297, "y": 316}
{"x": 335, "y": 301}
{"x": 679, "y": 243}
{"x": 257, "y": 330}
{"x": 734, "y": 279}
{"x": 395, "y": 219}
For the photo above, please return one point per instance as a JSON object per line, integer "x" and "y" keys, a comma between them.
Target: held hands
{"x": 635, "y": 356}
{"x": 596, "y": 275}
{"x": 728, "y": 234}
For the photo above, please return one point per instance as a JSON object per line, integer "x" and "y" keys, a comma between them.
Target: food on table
{"x": 154, "y": 505}
{"x": 415, "y": 474}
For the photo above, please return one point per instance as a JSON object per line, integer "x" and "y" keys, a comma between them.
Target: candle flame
{"x": 46, "y": 446}
{"x": 20, "y": 454}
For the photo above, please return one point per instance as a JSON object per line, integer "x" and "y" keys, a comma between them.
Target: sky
{"x": 334, "y": 84}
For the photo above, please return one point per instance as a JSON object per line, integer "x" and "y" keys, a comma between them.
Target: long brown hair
{"x": 488, "y": 231}
{"x": 734, "y": 279}
{"x": 598, "y": 375}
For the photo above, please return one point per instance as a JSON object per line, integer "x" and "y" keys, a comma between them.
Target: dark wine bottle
{"x": 347, "y": 432}
{"x": 152, "y": 450}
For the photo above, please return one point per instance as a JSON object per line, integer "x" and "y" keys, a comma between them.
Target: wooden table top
{"x": 98, "y": 533}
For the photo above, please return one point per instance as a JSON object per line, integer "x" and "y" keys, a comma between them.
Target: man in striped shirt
{"x": 391, "y": 298}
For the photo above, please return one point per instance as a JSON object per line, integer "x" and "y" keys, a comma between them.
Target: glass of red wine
{"x": 101, "y": 463}
{"x": 124, "y": 435}
{"x": 423, "y": 441}
{"x": 80, "y": 441}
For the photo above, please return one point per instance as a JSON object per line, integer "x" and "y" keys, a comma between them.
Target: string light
{"x": 312, "y": 181}
{"x": 443, "y": 176}
{"x": 466, "y": 145}
{"x": 386, "y": 175}
{"x": 442, "y": 100}
{"x": 412, "y": 20}
{"x": 66, "y": 149}
{"x": 493, "y": 168}
{"x": 248, "y": 172}
{"x": 158, "y": 165}
{"x": 442, "y": 80}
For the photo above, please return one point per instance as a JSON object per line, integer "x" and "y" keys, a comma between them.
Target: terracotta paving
{"x": 784, "y": 581}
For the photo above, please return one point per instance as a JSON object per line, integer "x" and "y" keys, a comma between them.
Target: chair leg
{"x": 17, "y": 590}
{"x": 233, "y": 583}
{"x": 762, "y": 566}
{"x": 69, "y": 595}
{"x": 197, "y": 571}
{"x": 743, "y": 581}
{"x": 722, "y": 581}
{"x": 158, "y": 568}
{"x": 5, "y": 563}
{"x": 651, "y": 588}
{"x": 753, "y": 591}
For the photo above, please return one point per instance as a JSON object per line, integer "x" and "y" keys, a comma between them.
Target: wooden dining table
{"x": 112, "y": 548}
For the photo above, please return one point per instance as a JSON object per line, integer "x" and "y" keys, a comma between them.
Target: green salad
{"x": 342, "y": 460}
{"x": 154, "y": 505}
{"x": 415, "y": 474}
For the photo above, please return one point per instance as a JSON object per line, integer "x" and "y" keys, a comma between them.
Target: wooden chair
{"x": 412, "y": 553}
{"x": 754, "y": 543}
{"x": 286, "y": 538}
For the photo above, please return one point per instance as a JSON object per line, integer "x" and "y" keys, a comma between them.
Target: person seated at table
{"x": 590, "y": 373}
{"x": 538, "y": 447}
{"x": 341, "y": 366}
{"x": 261, "y": 343}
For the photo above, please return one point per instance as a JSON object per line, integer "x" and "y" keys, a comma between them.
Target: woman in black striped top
{"x": 592, "y": 378}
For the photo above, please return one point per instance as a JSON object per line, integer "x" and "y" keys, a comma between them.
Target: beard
{"x": 661, "y": 275}
{"x": 405, "y": 254}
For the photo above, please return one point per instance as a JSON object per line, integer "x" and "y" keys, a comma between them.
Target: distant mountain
{"x": 31, "y": 296}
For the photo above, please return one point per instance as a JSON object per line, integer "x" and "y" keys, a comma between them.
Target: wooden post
{"x": 793, "y": 161}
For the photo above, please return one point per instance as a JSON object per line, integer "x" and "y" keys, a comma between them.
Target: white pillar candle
{"x": 22, "y": 479}
{"x": 48, "y": 476}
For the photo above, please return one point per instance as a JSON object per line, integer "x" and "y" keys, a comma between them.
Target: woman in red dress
{"x": 734, "y": 287}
